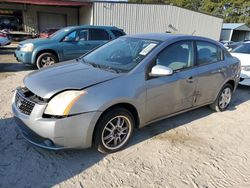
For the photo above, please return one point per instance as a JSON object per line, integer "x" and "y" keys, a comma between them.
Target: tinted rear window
{"x": 117, "y": 33}
{"x": 98, "y": 34}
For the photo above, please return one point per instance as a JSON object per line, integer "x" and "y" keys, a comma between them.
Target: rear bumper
{"x": 23, "y": 57}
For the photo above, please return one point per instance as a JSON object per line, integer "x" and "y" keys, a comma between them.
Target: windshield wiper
{"x": 110, "y": 69}
{"x": 90, "y": 63}
{"x": 103, "y": 67}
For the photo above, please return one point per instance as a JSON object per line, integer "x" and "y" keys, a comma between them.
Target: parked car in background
{"x": 243, "y": 54}
{"x": 98, "y": 99}
{"x": 9, "y": 23}
{"x": 232, "y": 45}
{"x": 4, "y": 38}
{"x": 48, "y": 32}
{"x": 65, "y": 44}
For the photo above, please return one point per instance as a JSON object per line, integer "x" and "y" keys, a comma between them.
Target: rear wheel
{"x": 113, "y": 130}
{"x": 45, "y": 59}
{"x": 223, "y": 99}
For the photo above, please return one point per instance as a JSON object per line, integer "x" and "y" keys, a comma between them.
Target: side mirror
{"x": 160, "y": 70}
{"x": 68, "y": 39}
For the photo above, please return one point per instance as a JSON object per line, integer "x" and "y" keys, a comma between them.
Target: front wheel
{"x": 46, "y": 59}
{"x": 223, "y": 99}
{"x": 113, "y": 130}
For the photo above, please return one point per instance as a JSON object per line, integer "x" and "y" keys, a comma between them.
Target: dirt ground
{"x": 196, "y": 149}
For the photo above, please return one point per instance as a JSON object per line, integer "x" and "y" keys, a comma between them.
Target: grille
{"x": 24, "y": 105}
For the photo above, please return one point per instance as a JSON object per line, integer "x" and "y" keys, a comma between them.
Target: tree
{"x": 235, "y": 11}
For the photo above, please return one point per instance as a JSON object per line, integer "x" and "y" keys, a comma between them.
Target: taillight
{"x": 3, "y": 35}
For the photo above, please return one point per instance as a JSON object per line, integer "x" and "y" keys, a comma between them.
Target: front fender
{"x": 107, "y": 94}
{"x": 39, "y": 49}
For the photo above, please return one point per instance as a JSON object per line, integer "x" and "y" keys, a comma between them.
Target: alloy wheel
{"x": 116, "y": 132}
{"x": 225, "y": 98}
{"x": 46, "y": 61}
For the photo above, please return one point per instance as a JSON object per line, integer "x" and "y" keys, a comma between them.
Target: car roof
{"x": 166, "y": 36}
{"x": 91, "y": 26}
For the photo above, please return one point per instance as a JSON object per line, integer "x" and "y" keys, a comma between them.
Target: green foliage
{"x": 232, "y": 11}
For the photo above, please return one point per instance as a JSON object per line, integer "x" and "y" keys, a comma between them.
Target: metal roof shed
{"x": 235, "y": 32}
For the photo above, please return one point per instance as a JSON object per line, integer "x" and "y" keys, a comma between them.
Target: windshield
{"x": 244, "y": 48}
{"x": 122, "y": 54}
{"x": 60, "y": 33}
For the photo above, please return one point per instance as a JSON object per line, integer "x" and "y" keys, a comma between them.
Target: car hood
{"x": 244, "y": 58}
{"x": 38, "y": 41}
{"x": 65, "y": 76}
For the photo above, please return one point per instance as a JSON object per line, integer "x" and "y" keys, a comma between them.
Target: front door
{"x": 70, "y": 46}
{"x": 174, "y": 93}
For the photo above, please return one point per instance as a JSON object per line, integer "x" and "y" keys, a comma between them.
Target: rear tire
{"x": 113, "y": 130}
{"x": 46, "y": 59}
{"x": 223, "y": 99}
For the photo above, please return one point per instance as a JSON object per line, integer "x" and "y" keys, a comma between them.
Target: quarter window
{"x": 208, "y": 53}
{"x": 117, "y": 33}
{"x": 177, "y": 56}
{"x": 98, "y": 34}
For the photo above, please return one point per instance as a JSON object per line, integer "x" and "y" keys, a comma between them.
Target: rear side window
{"x": 208, "y": 52}
{"x": 117, "y": 33}
{"x": 98, "y": 34}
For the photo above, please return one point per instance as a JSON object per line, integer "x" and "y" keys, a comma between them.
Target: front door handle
{"x": 190, "y": 79}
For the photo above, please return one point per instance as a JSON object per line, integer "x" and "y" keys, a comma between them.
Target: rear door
{"x": 211, "y": 71}
{"x": 170, "y": 94}
{"x": 97, "y": 37}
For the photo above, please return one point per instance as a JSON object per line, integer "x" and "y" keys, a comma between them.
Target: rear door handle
{"x": 190, "y": 79}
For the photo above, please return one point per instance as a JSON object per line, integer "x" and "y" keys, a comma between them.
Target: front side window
{"x": 177, "y": 56}
{"x": 208, "y": 53}
{"x": 121, "y": 54}
{"x": 244, "y": 48}
{"x": 72, "y": 36}
{"x": 98, "y": 34}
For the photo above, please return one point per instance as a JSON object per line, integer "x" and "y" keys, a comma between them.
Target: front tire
{"x": 45, "y": 59}
{"x": 223, "y": 99}
{"x": 113, "y": 130}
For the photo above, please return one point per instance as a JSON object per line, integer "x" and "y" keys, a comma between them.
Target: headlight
{"x": 245, "y": 68}
{"x": 62, "y": 103}
{"x": 27, "y": 47}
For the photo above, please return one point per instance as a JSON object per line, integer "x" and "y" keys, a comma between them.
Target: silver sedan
{"x": 100, "y": 98}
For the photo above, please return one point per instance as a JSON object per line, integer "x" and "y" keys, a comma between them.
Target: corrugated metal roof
{"x": 232, "y": 25}
{"x": 48, "y": 2}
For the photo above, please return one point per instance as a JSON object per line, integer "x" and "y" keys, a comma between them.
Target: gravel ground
{"x": 196, "y": 149}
